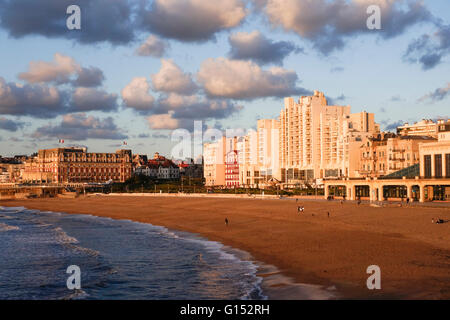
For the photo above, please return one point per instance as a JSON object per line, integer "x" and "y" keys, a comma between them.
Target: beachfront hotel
{"x": 319, "y": 141}
{"x": 310, "y": 140}
{"x": 76, "y": 165}
{"x": 319, "y": 144}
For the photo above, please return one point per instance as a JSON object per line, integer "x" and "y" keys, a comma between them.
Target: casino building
{"x": 76, "y": 165}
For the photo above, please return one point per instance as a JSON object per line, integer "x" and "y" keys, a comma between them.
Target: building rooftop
{"x": 417, "y": 138}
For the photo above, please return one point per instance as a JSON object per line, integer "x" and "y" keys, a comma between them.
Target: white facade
{"x": 214, "y": 163}
{"x": 435, "y": 157}
{"x": 320, "y": 141}
{"x": 159, "y": 172}
{"x": 147, "y": 171}
{"x": 168, "y": 172}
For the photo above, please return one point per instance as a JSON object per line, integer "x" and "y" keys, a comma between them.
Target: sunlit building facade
{"x": 76, "y": 165}
{"x": 321, "y": 141}
{"x": 389, "y": 153}
{"x": 424, "y": 127}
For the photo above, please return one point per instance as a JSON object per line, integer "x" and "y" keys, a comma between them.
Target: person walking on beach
{"x": 226, "y": 222}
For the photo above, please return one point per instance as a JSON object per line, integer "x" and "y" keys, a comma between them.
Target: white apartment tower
{"x": 316, "y": 139}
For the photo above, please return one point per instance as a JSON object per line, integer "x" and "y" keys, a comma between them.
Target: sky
{"x": 137, "y": 69}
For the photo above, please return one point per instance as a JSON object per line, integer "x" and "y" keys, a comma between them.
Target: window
{"x": 427, "y": 166}
{"x": 447, "y": 165}
{"x": 438, "y": 165}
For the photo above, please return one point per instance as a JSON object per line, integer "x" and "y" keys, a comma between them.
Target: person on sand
{"x": 226, "y": 222}
{"x": 328, "y": 214}
{"x": 300, "y": 209}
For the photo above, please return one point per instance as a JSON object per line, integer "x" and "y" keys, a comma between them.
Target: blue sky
{"x": 369, "y": 73}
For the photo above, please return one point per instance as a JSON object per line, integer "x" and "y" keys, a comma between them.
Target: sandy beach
{"x": 310, "y": 248}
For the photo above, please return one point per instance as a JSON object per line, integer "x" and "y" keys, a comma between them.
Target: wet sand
{"x": 309, "y": 248}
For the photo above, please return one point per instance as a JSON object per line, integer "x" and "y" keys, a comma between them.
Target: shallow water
{"x": 118, "y": 260}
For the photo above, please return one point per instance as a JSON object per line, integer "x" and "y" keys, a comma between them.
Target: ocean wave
{"x": 253, "y": 285}
{"x": 12, "y": 209}
{"x": 5, "y": 227}
{"x": 227, "y": 262}
{"x": 254, "y": 291}
{"x": 72, "y": 242}
{"x": 43, "y": 225}
{"x": 90, "y": 252}
{"x": 63, "y": 237}
{"x": 76, "y": 295}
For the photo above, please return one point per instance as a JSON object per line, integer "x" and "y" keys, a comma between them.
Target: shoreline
{"x": 308, "y": 250}
{"x": 273, "y": 284}
{"x": 277, "y": 286}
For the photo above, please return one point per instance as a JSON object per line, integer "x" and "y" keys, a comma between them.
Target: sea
{"x": 117, "y": 259}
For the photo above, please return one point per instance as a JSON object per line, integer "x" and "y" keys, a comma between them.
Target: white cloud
{"x": 58, "y": 71}
{"x": 255, "y": 46}
{"x": 153, "y": 46}
{"x": 192, "y": 20}
{"x": 90, "y": 99}
{"x": 136, "y": 95}
{"x": 61, "y": 70}
{"x": 437, "y": 95}
{"x": 194, "y": 107}
{"x": 79, "y": 126}
{"x": 35, "y": 100}
{"x": 237, "y": 79}
{"x": 327, "y": 23}
{"x": 163, "y": 121}
{"x": 171, "y": 78}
